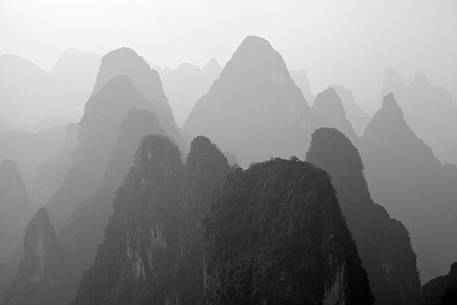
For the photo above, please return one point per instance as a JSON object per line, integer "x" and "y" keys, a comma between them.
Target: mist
{"x": 228, "y": 152}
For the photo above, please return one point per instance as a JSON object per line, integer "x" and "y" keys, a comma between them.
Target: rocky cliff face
{"x": 254, "y": 109}
{"x": 40, "y": 279}
{"x": 383, "y": 242}
{"x": 134, "y": 264}
{"x": 276, "y": 235}
{"x": 412, "y": 184}
{"x": 15, "y": 209}
{"x": 206, "y": 171}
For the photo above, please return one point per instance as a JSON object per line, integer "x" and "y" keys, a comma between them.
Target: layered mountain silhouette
{"x": 134, "y": 264}
{"x": 15, "y": 209}
{"x": 30, "y": 93}
{"x": 254, "y": 109}
{"x": 383, "y": 243}
{"x": 428, "y": 110}
{"x": 125, "y": 81}
{"x": 30, "y": 149}
{"x": 301, "y": 79}
{"x": 358, "y": 117}
{"x": 328, "y": 111}
{"x": 84, "y": 231}
{"x": 442, "y": 290}
{"x": 183, "y": 87}
{"x": 50, "y": 174}
{"x": 404, "y": 175}
{"x": 41, "y": 276}
{"x": 276, "y": 235}
{"x": 171, "y": 202}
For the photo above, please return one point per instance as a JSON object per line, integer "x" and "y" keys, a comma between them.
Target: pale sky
{"x": 348, "y": 42}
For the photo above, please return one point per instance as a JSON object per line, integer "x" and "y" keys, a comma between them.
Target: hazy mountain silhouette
{"x": 84, "y": 231}
{"x": 41, "y": 277}
{"x": 141, "y": 242}
{"x": 359, "y": 118}
{"x": 97, "y": 134}
{"x": 31, "y": 94}
{"x": 212, "y": 70}
{"x": 429, "y": 111}
{"x": 442, "y": 290}
{"x": 328, "y": 111}
{"x": 50, "y": 174}
{"x": 383, "y": 243}
{"x": 30, "y": 149}
{"x": 183, "y": 87}
{"x": 125, "y": 81}
{"x": 254, "y": 109}
{"x": 276, "y": 235}
{"x": 301, "y": 79}
{"x": 15, "y": 208}
{"x": 404, "y": 175}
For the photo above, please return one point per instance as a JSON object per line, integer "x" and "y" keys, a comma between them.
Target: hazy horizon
{"x": 348, "y": 43}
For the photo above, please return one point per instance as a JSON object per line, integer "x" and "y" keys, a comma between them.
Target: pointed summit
{"x": 389, "y": 262}
{"x": 253, "y": 109}
{"x": 125, "y": 61}
{"x": 212, "y": 69}
{"x": 40, "y": 278}
{"x": 393, "y": 82}
{"x": 404, "y": 175}
{"x": 328, "y": 111}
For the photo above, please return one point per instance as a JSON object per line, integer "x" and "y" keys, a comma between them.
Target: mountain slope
{"x": 275, "y": 235}
{"x": 41, "y": 276}
{"x": 254, "y": 109}
{"x": 404, "y": 175}
{"x": 383, "y": 242}
{"x": 15, "y": 209}
{"x": 133, "y": 263}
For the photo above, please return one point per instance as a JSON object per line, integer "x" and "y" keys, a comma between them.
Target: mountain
{"x": 212, "y": 70}
{"x": 74, "y": 76}
{"x": 328, "y": 111}
{"x": 428, "y": 110}
{"x": 254, "y": 109}
{"x": 183, "y": 87}
{"x": 412, "y": 184}
{"x": 442, "y": 290}
{"x": 50, "y": 174}
{"x": 97, "y": 134}
{"x": 31, "y": 94}
{"x": 276, "y": 235}
{"x": 134, "y": 264}
{"x": 301, "y": 79}
{"x": 206, "y": 171}
{"x": 40, "y": 279}
{"x": 84, "y": 231}
{"x": 15, "y": 208}
{"x": 359, "y": 118}
{"x": 383, "y": 243}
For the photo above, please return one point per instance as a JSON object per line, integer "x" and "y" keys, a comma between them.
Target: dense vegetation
{"x": 276, "y": 235}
